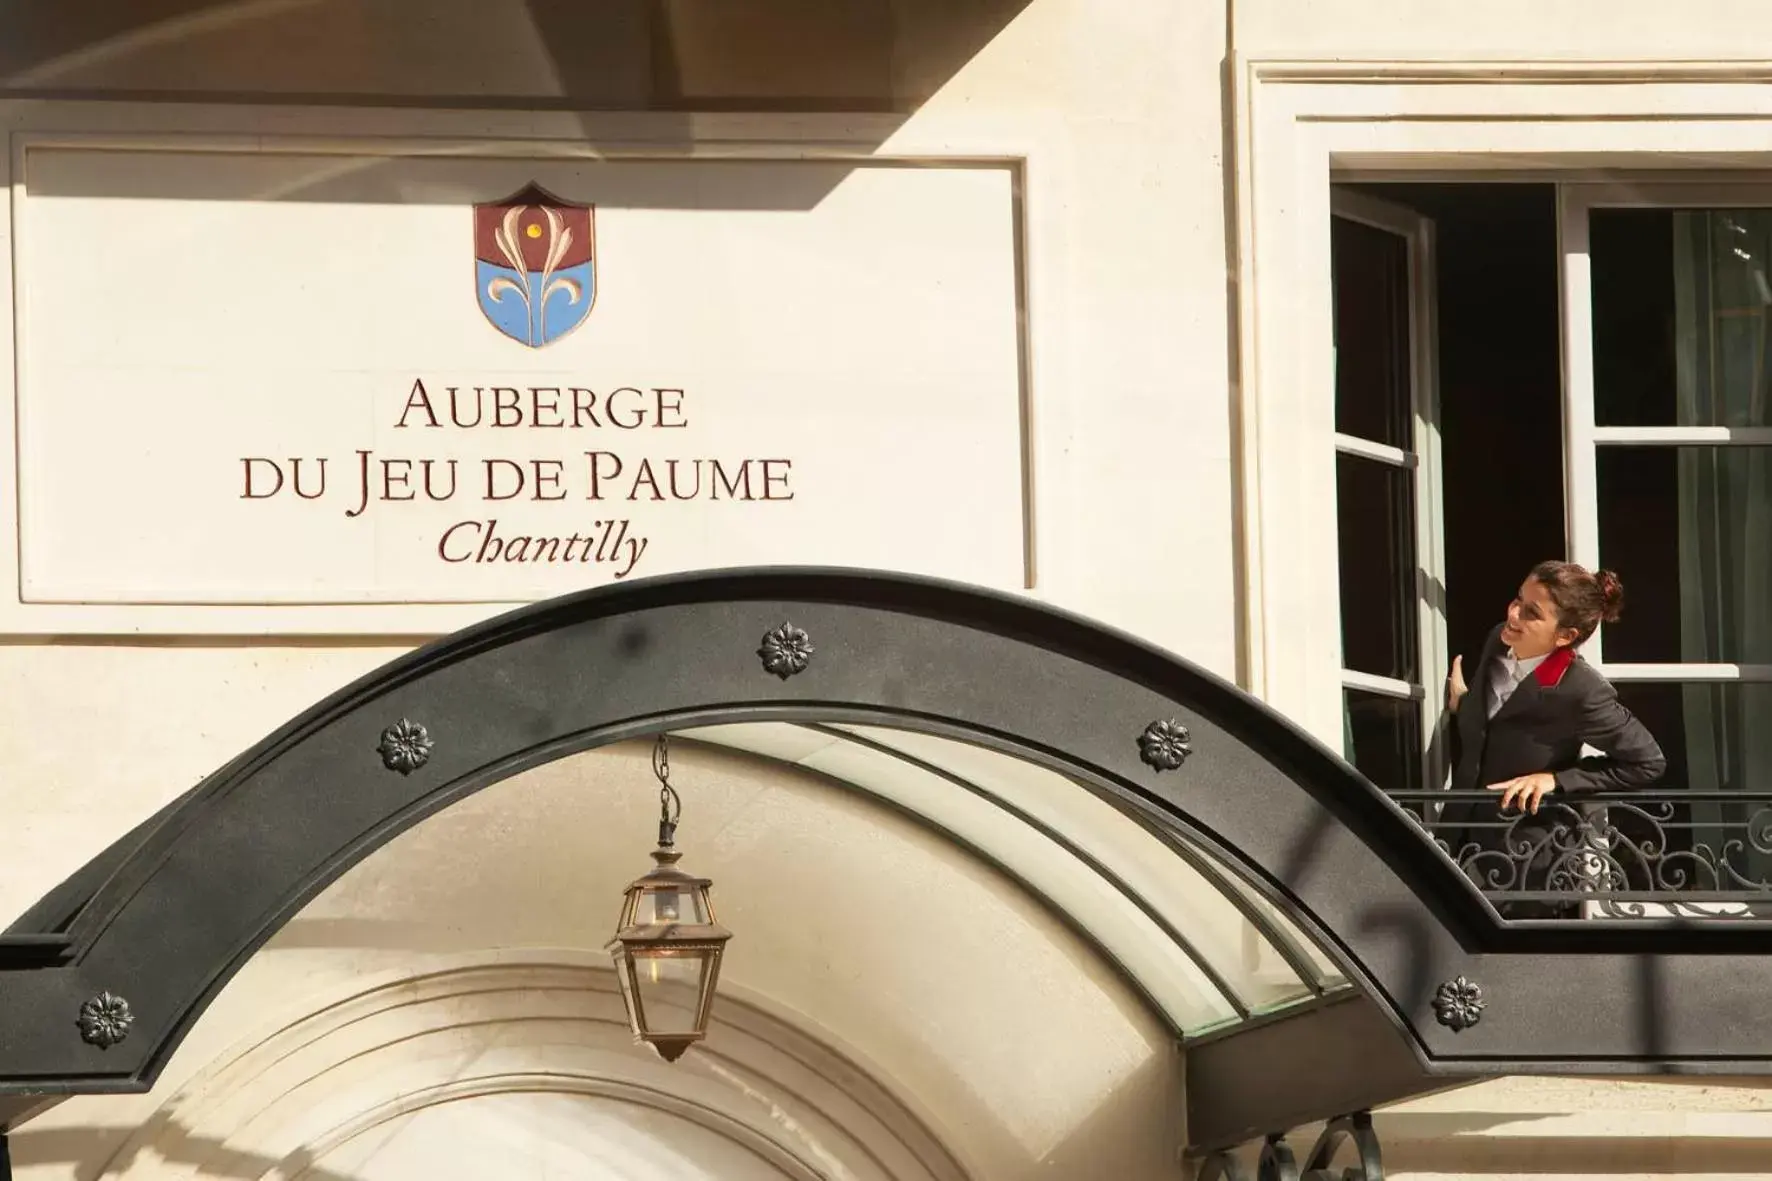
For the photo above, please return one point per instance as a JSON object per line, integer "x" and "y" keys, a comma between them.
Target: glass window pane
{"x": 1371, "y": 284}
{"x": 1680, "y": 309}
{"x": 1689, "y": 530}
{"x": 1383, "y": 739}
{"x": 1715, "y": 736}
{"x": 1716, "y": 739}
{"x": 1375, "y": 516}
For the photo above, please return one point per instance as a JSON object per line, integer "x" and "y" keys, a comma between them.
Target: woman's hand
{"x": 1455, "y": 686}
{"x": 1526, "y": 791}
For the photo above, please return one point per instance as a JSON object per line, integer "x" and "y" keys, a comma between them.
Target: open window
{"x": 1393, "y": 627}
{"x": 1603, "y": 392}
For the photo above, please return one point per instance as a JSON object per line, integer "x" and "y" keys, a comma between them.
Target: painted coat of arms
{"x": 535, "y": 265}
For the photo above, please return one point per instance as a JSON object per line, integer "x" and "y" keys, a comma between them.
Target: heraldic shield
{"x": 535, "y": 265}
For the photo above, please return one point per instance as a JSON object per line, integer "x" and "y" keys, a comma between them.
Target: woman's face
{"x": 1531, "y": 628}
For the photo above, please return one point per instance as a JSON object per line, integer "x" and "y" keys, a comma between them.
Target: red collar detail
{"x": 1551, "y": 669}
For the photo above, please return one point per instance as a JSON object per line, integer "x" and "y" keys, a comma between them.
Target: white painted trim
{"x": 1367, "y": 449}
{"x": 1382, "y": 686}
{"x": 1495, "y": 72}
{"x": 1687, "y": 673}
{"x": 1709, "y": 191}
{"x": 1430, "y": 525}
{"x": 1682, "y": 436}
{"x": 1580, "y": 461}
{"x": 1303, "y": 123}
{"x": 1247, "y": 401}
{"x": 1374, "y": 212}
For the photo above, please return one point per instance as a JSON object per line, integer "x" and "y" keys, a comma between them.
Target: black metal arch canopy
{"x": 101, "y": 980}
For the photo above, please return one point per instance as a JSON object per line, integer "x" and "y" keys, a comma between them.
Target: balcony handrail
{"x": 1607, "y": 854}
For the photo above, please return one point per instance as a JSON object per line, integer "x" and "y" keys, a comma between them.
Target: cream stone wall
{"x": 1503, "y": 30}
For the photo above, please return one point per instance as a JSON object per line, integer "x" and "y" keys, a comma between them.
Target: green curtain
{"x": 1722, "y": 297}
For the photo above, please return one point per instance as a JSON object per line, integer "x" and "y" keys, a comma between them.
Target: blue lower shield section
{"x": 529, "y": 312}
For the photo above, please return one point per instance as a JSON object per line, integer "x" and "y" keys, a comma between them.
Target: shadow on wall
{"x": 620, "y": 58}
{"x": 75, "y": 1145}
{"x": 623, "y": 55}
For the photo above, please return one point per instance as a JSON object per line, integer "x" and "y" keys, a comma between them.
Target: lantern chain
{"x": 670, "y": 804}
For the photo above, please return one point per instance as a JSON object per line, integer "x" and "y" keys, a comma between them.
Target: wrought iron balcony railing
{"x": 1656, "y": 853}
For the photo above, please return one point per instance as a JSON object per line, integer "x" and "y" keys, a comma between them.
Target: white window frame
{"x": 1303, "y": 125}
{"x": 1422, "y": 460}
{"x": 1584, "y": 437}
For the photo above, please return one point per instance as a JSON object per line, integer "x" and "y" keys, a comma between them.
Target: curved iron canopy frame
{"x": 166, "y": 916}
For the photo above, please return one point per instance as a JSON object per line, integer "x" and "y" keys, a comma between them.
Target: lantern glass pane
{"x": 670, "y": 983}
{"x": 711, "y": 986}
{"x": 624, "y": 975}
{"x": 670, "y": 907}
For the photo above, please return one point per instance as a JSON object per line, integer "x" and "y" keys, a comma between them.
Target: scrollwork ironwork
{"x": 1278, "y": 1163}
{"x": 1629, "y": 851}
{"x": 1352, "y": 1132}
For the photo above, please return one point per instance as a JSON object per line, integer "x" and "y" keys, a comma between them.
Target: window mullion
{"x": 1382, "y": 686}
{"x": 1676, "y": 673}
{"x": 1378, "y": 452}
{"x": 1580, "y": 438}
{"x": 1430, "y": 592}
{"x": 1682, "y": 436}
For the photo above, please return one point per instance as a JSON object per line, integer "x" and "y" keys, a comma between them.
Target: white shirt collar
{"x": 1521, "y": 669}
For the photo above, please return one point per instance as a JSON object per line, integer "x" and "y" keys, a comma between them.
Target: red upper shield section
{"x": 535, "y": 227}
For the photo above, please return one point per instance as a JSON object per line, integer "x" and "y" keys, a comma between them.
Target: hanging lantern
{"x": 667, "y": 947}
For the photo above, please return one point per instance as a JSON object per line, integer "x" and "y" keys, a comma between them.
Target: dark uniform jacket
{"x": 1562, "y": 705}
{"x": 1559, "y": 707}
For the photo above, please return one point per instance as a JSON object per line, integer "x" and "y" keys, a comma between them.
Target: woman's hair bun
{"x": 1611, "y": 595}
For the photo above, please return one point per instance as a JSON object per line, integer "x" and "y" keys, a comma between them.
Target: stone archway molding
{"x": 547, "y": 1021}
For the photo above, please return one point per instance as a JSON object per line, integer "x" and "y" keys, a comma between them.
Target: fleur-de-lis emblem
{"x": 535, "y": 265}
{"x": 786, "y": 650}
{"x": 1458, "y": 1004}
{"x": 1164, "y": 745}
{"x": 405, "y": 746}
{"x": 105, "y": 1020}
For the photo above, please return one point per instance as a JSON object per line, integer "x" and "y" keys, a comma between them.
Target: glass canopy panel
{"x": 1328, "y": 974}
{"x": 1173, "y": 979}
{"x": 1228, "y": 929}
{"x": 1184, "y": 926}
